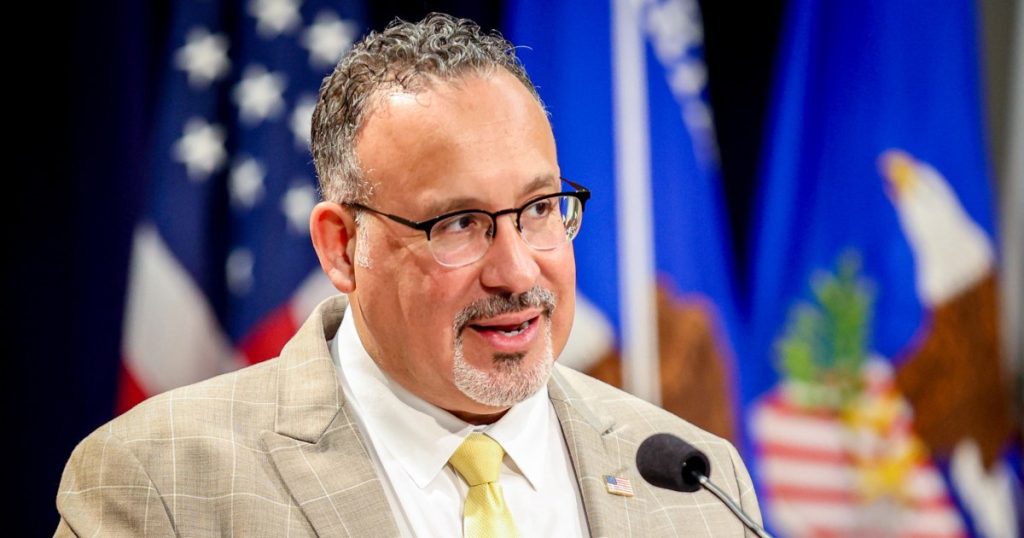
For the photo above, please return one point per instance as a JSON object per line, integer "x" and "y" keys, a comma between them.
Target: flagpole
{"x": 1012, "y": 216}
{"x": 633, "y": 190}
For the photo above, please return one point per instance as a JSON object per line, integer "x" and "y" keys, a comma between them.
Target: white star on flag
{"x": 275, "y": 17}
{"x": 302, "y": 120}
{"x": 697, "y": 115}
{"x": 204, "y": 56}
{"x": 258, "y": 95}
{"x": 689, "y": 77}
{"x": 297, "y": 205}
{"x": 676, "y": 26}
{"x": 328, "y": 38}
{"x": 247, "y": 183}
{"x": 238, "y": 270}
{"x": 201, "y": 148}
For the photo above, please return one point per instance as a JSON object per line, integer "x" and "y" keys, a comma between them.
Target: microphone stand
{"x": 710, "y": 486}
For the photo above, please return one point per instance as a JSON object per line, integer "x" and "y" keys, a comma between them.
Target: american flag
{"x": 861, "y": 472}
{"x": 222, "y": 268}
{"x": 617, "y": 485}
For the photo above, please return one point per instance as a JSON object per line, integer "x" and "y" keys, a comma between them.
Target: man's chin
{"x": 496, "y": 363}
{"x": 501, "y": 376}
{"x": 508, "y": 379}
{"x": 508, "y": 358}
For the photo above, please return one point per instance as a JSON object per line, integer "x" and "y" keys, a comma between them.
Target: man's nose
{"x": 509, "y": 265}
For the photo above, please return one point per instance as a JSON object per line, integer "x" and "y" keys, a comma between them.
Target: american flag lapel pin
{"x": 617, "y": 485}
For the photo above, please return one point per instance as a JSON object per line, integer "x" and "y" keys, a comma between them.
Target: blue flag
{"x": 625, "y": 86}
{"x": 222, "y": 269}
{"x": 874, "y": 394}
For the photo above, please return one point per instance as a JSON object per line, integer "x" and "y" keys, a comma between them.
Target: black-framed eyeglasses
{"x": 463, "y": 237}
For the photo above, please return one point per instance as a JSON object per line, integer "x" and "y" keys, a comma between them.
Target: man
{"x": 447, "y": 226}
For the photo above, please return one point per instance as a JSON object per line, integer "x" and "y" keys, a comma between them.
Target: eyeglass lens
{"x": 544, "y": 225}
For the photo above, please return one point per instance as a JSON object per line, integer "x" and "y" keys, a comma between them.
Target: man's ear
{"x": 332, "y": 228}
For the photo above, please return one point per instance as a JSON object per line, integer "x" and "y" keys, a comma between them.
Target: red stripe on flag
{"x": 935, "y": 503}
{"x": 782, "y": 406}
{"x": 129, "y": 392}
{"x": 826, "y": 532}
{"x": 811, "y": 494}
{"x": 267, "y": 337}
{"x": 838, "y": 532}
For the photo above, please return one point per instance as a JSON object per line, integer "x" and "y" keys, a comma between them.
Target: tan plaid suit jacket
{"x": 272, "y": 450}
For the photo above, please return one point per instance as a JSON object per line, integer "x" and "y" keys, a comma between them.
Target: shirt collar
{"x": 421, "y": 436}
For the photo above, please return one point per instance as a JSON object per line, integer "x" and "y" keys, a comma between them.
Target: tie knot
{"x": 478, "y": 459}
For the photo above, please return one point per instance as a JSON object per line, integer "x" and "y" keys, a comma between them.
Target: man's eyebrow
{"x": 448, "y": 205}
{"x": 539, "y": 183}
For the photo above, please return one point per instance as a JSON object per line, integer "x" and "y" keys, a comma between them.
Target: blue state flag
{"x": 873, "y": 390}
{"x": 626, "y": 89}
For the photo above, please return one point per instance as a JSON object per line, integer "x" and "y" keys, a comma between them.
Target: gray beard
{"x": 510, "y": 382}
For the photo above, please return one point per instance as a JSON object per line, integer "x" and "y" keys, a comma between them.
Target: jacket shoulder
{"x": 244, "y": 397}
{"x": 636, "y": 419}
{"x": 625, "y": 421}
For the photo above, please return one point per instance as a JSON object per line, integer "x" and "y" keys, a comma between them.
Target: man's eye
{"x": 459, "y": 224}
{"x": 540, "y": 209}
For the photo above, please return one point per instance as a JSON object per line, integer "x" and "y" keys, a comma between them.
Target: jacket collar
{"x": 316, "y": 446}
{"x": 597, "y": 449}
{"x": 323, "y": 460}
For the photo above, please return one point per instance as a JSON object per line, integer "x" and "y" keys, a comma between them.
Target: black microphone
{"x": 667, "y": 461}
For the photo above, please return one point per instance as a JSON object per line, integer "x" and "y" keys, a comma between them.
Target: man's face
{"x": 478, "y": 338}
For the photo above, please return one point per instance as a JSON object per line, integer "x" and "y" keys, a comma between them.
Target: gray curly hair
{"x": 406, "y": 56}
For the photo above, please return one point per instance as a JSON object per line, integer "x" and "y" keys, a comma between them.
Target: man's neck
{"x": 478, "y": 420}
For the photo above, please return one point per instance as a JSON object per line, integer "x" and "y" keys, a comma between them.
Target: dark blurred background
{"x": 84, "y": 78}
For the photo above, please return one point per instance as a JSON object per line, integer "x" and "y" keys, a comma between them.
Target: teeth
{"x": 519, "y": 330}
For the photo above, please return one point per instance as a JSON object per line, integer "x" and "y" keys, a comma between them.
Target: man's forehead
{"x": 485, "y": 143}
{"x": 457, "y": 89}
{"x": 440, "y": 201}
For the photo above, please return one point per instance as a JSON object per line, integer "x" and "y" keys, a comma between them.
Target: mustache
{"x": 496, "y": 305}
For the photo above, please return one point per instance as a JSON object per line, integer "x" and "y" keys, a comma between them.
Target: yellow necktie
{"x": 485, "y": 515}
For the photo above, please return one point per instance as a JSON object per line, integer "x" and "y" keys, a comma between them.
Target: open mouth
{"x": 508, "y": 330}
{"x": 508, "y": 334}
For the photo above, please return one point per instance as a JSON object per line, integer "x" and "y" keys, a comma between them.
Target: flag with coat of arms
{"x": 875, "y": 393}
{"x": 625, "y": 86}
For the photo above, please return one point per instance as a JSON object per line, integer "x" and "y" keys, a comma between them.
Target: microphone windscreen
{"x": 667, "y": 461}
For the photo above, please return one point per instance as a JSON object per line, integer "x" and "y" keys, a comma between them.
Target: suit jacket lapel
{"x": 596, "y": 451}
{"x": 316, "y": 446}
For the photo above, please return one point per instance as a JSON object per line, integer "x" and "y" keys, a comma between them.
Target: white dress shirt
{"x": 411, "y": 440}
